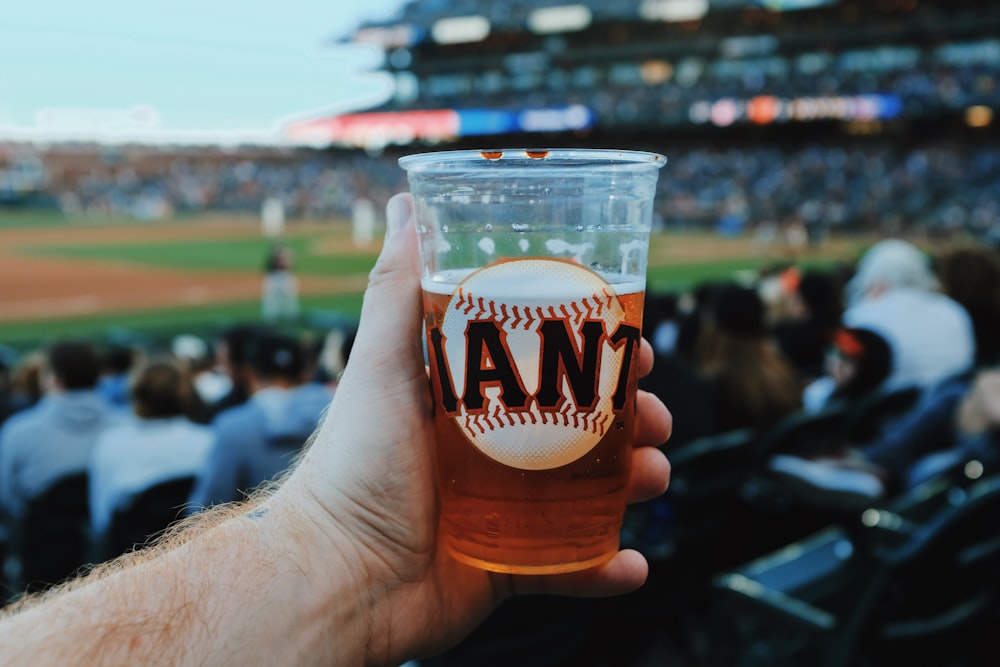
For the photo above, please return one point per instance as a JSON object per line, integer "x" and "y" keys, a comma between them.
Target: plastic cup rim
{"x": 530, "y": 157}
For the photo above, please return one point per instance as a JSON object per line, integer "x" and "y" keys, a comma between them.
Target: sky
{"x": 216, "y": 71}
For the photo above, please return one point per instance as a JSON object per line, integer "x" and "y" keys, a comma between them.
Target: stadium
{"x": 823, "y": 300}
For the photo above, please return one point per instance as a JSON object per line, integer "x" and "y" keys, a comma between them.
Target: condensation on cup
{"x": 534, "y": 269}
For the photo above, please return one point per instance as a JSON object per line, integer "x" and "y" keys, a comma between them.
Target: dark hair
{"x": 118, "y": 359}
{"x": 737, "y": 310}
{"x": 160, "y": 389}
{"x": 820, "y": 293}
{"x": 75, "y": 365}
{"x": 754, "y": 385}
{"x": 238, "y": 339}
{"x": 872, "y": 359}
{"x": 275, "y": 355}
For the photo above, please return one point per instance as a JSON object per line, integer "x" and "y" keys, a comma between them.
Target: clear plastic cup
{"x": 534, "y": 269}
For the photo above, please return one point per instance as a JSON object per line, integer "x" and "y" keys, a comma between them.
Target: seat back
{"x": 944, "y": 581}
{"x": 868, "y": 417}
{"x": 803, "y": 433}
{"x": 148, "y": 514}
{"x": 51, "y": 539}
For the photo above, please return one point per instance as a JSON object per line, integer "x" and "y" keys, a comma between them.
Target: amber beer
{"x": 521, "y": 368}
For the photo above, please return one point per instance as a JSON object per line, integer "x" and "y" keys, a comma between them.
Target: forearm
{"x": 233, "y": 594}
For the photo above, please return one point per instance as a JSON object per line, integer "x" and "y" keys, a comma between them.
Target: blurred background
{"x": 824, "y": 285}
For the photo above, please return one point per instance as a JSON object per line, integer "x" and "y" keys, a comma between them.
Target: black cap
{"x": 738, "y": 310}
{"x": 276, "y": 355}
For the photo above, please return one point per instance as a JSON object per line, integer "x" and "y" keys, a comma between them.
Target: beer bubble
{"x": 523, "y": 245}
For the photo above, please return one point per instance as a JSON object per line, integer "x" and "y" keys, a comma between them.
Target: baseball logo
{"x": 532, "y": 358}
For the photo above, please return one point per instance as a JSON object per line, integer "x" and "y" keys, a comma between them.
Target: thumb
{"x": 389, "y": 329}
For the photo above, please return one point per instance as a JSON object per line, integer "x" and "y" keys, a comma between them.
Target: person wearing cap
{"x": 857, "y": 362}
{"x": 895, "y": 294}
{"x": 257, "y": 440}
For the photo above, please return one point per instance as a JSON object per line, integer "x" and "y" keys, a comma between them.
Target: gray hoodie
{"x": 49, "y": 441}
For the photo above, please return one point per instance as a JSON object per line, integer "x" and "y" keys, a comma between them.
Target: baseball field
{"x": 85, "y": 277}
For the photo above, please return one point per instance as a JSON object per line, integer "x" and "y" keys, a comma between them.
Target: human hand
{"x": 368, "y": 480}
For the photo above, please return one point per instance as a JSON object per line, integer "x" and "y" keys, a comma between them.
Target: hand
{"x": 370, "y": 473}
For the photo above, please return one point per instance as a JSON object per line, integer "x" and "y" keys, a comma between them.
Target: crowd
{"x": 731, "y": 357}
{"x": 210, "y": 422}
{"x": 806, "y": 340}
{"x": 147, "y": 184}
{"x": 939, "y": 186}
{"x": 933, "y": 58}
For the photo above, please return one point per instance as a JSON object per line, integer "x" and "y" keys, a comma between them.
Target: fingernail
{"x": 397, "y": 214}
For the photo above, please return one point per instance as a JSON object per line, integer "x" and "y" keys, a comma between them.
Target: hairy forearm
{"x": 231, "y": 594}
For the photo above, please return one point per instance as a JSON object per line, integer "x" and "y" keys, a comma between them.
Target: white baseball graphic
{"x": 519, "y": 296}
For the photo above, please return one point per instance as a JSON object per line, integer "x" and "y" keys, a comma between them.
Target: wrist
{"x": 317, "y": 576}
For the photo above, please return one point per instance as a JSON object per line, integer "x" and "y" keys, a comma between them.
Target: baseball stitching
{"x": 586, "y": 308}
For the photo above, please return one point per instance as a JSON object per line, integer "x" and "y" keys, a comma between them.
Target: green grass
{"x": 11, "y": 218}
{"x": 166, "y": 323}
{"x": 247, "y": 254}
{"x": 215, "y": 255}
{"x": 684, "y": 276}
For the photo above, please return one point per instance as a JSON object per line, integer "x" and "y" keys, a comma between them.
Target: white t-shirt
{"x": 930, "y": 334}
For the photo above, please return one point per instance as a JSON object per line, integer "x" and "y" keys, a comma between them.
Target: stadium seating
{"x": 149, "y": 514}
{"x": 51, "y": 540}
{"x": 911, "y": 585}
{"x": 871, "y": 414}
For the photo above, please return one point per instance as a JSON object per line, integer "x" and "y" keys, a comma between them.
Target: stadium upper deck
{"x": 473, "y": 68}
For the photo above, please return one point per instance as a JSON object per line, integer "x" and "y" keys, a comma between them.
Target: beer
{"x": 533, "y": 367}
{"x": 534, "y": 265}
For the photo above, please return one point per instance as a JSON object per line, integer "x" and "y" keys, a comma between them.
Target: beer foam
{"x": 518, "y": 284}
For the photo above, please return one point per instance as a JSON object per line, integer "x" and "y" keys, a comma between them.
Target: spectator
{"x": 858, "y": 362}
{"x": 210, "y": 385}
{"x": 856, "y": 477}
{"x": 230, "y": 351}
{"x": 814, "y": 312}
{"x": 116, "y": 363}
{"x": 26, "y": 381}
{"x": 333, "y": 356}
{"x": 7, "y": 364}
{"x": 895, "y": 294}
{"x": 255, "y": 441}
{"x": 971, "y": 276}
{"x": 55, "y": 438}
{"x": 754, "y": 385}
{"x": 159, "y": 444}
